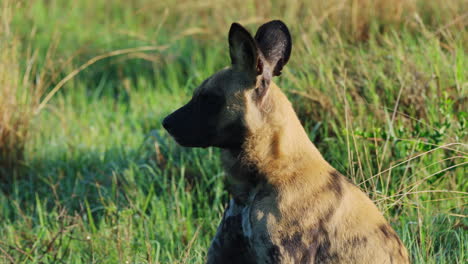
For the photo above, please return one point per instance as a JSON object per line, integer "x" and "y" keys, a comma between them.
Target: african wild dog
{"x": 289, "y": 205}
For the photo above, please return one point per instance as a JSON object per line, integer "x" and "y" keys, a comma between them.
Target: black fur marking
{"x": 357, "y": 241}
{"x": 309, "y": 255}
{"x": 274, "y": 254}
{"x": 293, "y": 245}
{"x": 324, "y": 253}
{"x": 335, "y": 184}
{"x": 390, "y": 234}
{"x": 230, "y": 246}
{"x": 263, "y": 193}
{"x": 385, "y": 230}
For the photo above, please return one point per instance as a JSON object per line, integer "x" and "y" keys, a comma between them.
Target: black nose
{"x": 166, "y": 124}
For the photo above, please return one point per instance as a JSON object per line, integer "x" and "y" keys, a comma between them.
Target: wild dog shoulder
{"x": 331, "y": 222}
{"x": 359, "y": 233}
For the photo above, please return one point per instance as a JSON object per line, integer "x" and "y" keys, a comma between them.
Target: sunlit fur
{"x": 308, "y": 212}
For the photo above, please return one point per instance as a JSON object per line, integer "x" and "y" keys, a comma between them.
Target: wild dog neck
{"x": 276, "y": 150}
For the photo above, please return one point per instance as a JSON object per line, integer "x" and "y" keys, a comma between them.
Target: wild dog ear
{"x": 242, "y": 48}
{"x": 274, "y": 41}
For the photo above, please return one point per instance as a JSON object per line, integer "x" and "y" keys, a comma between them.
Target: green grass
{"x": 103, "y": 183}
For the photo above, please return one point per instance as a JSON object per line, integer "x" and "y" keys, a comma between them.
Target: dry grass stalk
{"x": 18, "y": 97}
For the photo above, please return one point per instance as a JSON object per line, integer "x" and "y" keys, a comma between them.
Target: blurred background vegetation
{"x": 87, "y": 175}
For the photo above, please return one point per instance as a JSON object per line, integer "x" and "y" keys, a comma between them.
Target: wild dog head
{"x": 216, "y": 114}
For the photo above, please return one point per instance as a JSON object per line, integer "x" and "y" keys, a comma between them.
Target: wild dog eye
{"x": 211, "y": 102}
{"x": 211, "y": 99}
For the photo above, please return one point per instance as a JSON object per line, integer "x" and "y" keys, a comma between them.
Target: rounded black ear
{"x": 274, "y": 41}
{"x": 242, "y": 48}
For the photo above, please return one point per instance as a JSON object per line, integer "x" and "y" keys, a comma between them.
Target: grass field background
{"x": 88, "y": 175}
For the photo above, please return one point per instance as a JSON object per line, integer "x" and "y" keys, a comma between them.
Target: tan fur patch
{"x": 305, "y": 211}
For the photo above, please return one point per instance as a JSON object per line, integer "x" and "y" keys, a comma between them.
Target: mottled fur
{"x": 288, "y": 204}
